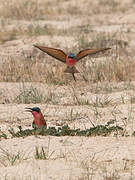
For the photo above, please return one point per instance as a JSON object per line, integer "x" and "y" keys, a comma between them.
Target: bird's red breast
{"x": 39, "y": 119}
{"x": 70, "y": 61}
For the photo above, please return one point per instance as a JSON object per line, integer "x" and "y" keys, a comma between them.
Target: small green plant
{"x": 9, "y": 157}
{"x": 101, "y": 101}
{"x": 13, "y": 158}
{"x": 40, "y": 154}
{"x": 122, "y": 99}
{"x": 73, "y": 116}
{"x": 99, "y": 130}
{"x": 29, "y": 95}
{"x": 51, "y": 98}
{"x": 2, "y": 135}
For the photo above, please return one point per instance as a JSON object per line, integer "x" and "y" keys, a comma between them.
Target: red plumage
{"x": 61, "y": 56}
{"x": 39, "y": 120}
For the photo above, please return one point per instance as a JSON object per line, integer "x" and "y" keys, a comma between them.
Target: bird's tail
{"x": 71, "y": 70}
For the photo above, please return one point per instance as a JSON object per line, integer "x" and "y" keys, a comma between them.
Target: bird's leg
{"x": 73, "y": 76}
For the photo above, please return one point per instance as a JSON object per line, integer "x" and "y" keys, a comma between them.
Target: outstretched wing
{"x": 87, "y": 52}
{"x": 56, "y": 53}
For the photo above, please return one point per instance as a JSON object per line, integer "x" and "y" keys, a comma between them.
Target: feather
{"x": 87, "y": 52}
{"x": 56, "y": 53}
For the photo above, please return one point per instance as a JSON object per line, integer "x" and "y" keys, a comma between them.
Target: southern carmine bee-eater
{"x": 70, "y": 59}
{"x": 39, "y": 120}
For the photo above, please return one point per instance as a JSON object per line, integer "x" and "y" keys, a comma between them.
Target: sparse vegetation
{"x": 99, "y": 130}
{"x": 101, "y": 101}
{"x": 33, "y": 70}
{"x": 90, "y": 122}
{"x": 29, "y": 70}
{"x": 7, "y": 158}
{"x": 40, "y": 154}
{"x": 43, "y": 153}
{"x": 22, "y": 9}
{"x": 29, "y": 95}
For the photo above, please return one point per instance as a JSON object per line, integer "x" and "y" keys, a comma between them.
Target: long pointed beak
{"x": 28, "y": 109}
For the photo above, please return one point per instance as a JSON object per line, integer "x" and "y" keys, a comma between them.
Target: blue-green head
{"x": 71, "y": 55}
{"x": 36, "y": 109}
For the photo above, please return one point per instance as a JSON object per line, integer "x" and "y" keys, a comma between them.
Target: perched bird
{"x": 39, "y": 120}
{"x": 70, "y": 59}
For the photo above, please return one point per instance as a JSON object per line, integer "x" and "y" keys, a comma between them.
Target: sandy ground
{"x": 70, "y": 158}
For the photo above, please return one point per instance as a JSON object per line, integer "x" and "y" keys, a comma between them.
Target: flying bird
{"x": 39, "y": 120}
{"x": 70, "y": 59}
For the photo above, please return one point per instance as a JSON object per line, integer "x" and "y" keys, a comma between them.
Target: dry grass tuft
{"x": 7, "y": 36}
{"x": 29, "y": 70}
{"x": 40, "y": 9}
{"x": 32, "y": 70}
{"x": 22, "y": 9}
{"x": 110, "y": 70}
